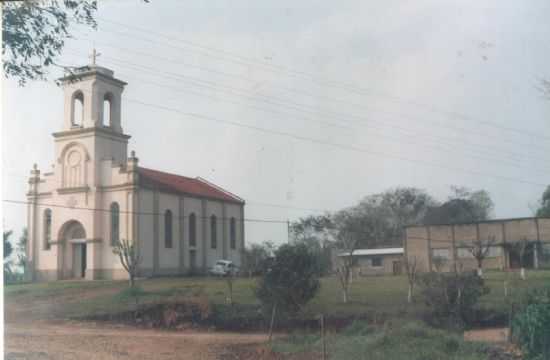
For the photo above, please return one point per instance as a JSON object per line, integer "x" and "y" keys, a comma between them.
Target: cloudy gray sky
{"x": 313, "y": 105}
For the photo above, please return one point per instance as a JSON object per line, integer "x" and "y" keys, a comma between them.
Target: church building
{"x": 96, "y": 195}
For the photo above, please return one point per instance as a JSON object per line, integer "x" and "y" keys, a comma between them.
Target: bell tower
{"x": 92, "y": 99}
{"x": 91, "y": 141}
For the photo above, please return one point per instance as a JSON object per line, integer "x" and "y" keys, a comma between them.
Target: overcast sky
{"x": 310, "y": 105}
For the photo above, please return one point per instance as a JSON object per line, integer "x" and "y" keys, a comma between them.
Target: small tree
{"x": 438, "y": 263}
{"x": 289, "y": 280}
{"x": 411, "y": 271}
{"x": 480, "y": 250}
{"x": 22, "y": 250}
{"x": 129, "y": 257}
{"x": 344, "y": 273}
{"x": 523, "y": 248}
{"x": 8, "y": 249}
{"x": 229, "y": 279}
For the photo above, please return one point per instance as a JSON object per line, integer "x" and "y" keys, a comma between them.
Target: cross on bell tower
{"x": 94, "y": 56}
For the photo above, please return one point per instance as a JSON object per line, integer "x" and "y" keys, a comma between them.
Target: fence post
{"x": 323, "y": 342}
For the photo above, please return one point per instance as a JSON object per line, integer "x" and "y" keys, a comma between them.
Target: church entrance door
{"x": 74, "y": 259}
{"x": 79, "y": 263}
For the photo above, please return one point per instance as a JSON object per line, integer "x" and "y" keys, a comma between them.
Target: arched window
{"x": 78, "y": 109}
{"x": 192, "y": 230}
{"x": 232, "y": 233}
{"x": 107, "y": 109}
{"x": 213, "y": 232}
{"x": 47, "y": 228}
{"x": 168, "y": 229}
{"x": 115, "y": 224}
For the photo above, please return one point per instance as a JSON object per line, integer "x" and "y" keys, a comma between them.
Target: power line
{"x": 48, "y": 205}
{"x": 332, "y": 144}
{"x": 316, "y": 96}
{"x": 516, "y": 162}
{"x": 280, "y": 102}
{"x": 336, "y": 145}
{"x": 345, "y": 86}
{"x": 248, "y": 202}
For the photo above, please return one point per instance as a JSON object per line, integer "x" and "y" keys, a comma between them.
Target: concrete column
{"x": 537, "y": 244}
{"x": 454, "y": 252}
{"x": 203, "y": 232}
{"x": 242, "y": 245}
{"x": 33, "y": 244}
{"x": 429, "y": 244}
{"x": 224, "y": 232}
{"x": 506, "y": 252}
{"x": 183, "y": 246}
{"x": 156, "y": 232}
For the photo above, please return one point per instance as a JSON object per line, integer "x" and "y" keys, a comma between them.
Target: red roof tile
{"x": 185, "y": 185}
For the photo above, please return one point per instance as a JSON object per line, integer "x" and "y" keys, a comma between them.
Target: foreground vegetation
{"x": 395, "y": 341}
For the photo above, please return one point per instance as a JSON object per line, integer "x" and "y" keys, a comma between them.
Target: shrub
{"x": 452, "y": 297}
{"x": 532, "y": 325}
{"x": 289, "y": 280}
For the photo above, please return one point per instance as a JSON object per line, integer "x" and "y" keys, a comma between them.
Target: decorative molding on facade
{"x": 80, "y": 132}
{"x": 72, "y": 190}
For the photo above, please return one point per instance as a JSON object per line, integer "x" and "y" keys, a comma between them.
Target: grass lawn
{"x": 382, "y": 294}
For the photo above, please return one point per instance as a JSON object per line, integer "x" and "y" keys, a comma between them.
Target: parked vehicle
{"x": 223, "y": 268}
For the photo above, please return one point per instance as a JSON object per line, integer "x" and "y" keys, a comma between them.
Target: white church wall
{"x": 168, "y": 257}
{"x": 111, "y": 148}
{"x": 234, "y": 210}
{"x": 214, "y": 208}
{"x": 192, "y": 206}
{"x": 146, "y": 233}
{"x": 108, "y": 261}
{"x": 83, "y": 146}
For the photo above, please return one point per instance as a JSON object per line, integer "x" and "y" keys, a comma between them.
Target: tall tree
{"x": 254, "y": 256}
{"x": 35, "y": 32}
{"x": 354, "y": 228}
{"x": 461, "y": 207}
{"x": 317, "y": 233}
{"x": 405, "y": 206}
{"x": 544, "y": 204}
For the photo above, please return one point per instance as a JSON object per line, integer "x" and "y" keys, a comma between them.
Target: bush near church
{"x": 289, "y": 280}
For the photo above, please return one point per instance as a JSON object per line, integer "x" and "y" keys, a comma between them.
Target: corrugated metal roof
{"x": 367, "y": 252}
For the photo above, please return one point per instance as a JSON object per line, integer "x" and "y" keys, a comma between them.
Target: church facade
{"x": 96, "y": 194}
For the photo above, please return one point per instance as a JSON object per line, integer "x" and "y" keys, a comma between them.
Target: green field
{"x": 381, "y": 295}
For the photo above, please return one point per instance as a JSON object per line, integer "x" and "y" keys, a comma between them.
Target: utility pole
{"x": 288, "y": 231}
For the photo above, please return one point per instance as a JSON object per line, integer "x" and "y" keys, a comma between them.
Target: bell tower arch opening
{"x": 77, "y": 107}
{"x": 108, "y": 110}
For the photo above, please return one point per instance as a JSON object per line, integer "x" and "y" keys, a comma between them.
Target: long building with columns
{"x": 445, "y": 246}
{"x": 96, "y": 195}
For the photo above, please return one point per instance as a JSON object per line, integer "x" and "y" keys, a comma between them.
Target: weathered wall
{"x": 424, "y": 243}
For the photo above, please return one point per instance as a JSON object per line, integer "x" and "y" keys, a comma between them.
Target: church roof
{"x": 185, "y": 185}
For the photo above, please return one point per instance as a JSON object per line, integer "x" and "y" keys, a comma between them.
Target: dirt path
{"x": 35, "y": 329}
{"x": 496, "y": 335}
{"x": 62, "y": 340}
